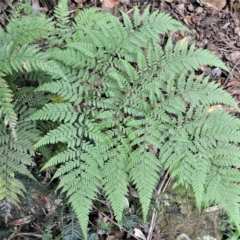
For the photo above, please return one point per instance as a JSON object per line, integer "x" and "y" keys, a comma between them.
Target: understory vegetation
{"x": 100, "y": 105}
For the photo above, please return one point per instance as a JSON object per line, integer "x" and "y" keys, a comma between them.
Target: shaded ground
{"x": 215, "y": 26}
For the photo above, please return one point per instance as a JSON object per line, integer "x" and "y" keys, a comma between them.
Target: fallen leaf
{"x": 126, "y": 203}
{"x": 22, "y": 221}
{"x": 233, "y": 83}
{"x": 214, "y": 107}
{"x": 234, "y": 56}
{"x": 133, "y": 192}
{"x": 221, "y": 107}
{"x": 138, "y": 233}
{"x": 153, "y": 149}
{"x": 112, "y": 237}
{"x": 108, "y": 5}
{"x": 216, "y": 4}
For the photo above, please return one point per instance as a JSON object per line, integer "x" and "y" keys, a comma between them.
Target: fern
{"x": 125, "y": 93}
{"x": 16, "y": 155}
{"x": 60, "y": 33}
{"x": 20, "y": 56}
{"x": 72, "y": 230}
{"x": 110, "y": 92}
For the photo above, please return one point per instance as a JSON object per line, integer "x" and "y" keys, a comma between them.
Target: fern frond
{"x": 121, "y": 93}
{"x": 116, "y": 185}
{"x": 6, "y": 106}
{"x": 56, "y": 112}
{"x": 27, "y": 29}
{"x": 16, "y": 155}
{"x": 72, "y": 230}
{"x": 60, "y": 33}
{"x": 177, "y": 58}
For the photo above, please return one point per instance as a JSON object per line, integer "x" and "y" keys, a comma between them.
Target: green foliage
{"x": 72, "y": 230}
{"x": 116, "y": 93}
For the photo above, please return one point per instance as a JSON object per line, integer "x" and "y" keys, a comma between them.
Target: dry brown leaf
{"x": 108, "y": 5}
{"x": 221, "y": 107}
{"x": 139, "y": 234}
{"x": 112, "y": 237}
{"x": 181, "y": 8}
{"x": 234, "y": 56}
{"x": 234, "y": 83}
{"x": 152, "y": 149}
{"x": 214, "y": 107}
{"x": 235, "y": 92}
{"x": 133, "y": 192}
{"x": 216, "y": 4}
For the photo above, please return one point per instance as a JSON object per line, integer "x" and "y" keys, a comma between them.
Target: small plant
{"x": 110, "y": 94}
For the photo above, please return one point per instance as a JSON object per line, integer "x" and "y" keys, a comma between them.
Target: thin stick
{"x": 113, "y": 222}
{"x": 154, "y": 214}
{"x": 231, "y": 73}
{"x": 24, "y": 234}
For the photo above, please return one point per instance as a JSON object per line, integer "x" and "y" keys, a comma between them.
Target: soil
{"x": 179, "y": 219}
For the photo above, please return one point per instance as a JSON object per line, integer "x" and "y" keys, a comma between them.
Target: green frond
{"x": 27, "y": 29}
{"x": 56, "y": 112}
{"x": 177, "y": 58}
{"x": 80, "y": 183}
{"x": 142, "y": 164}
{"x": 115, "y": 180}
{"x": 113, "y": 93}
{"x": 63, "y": 133}
{"x": 6, "y": 106}
{"x": 60, "y": 32}
{"x": 72, "y": 230}
{"x": 16, "y": 155}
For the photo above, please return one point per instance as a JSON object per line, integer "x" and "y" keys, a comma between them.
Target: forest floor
{"x": 215, "y": 26}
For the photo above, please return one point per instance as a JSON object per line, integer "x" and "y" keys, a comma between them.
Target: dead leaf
{"x": 133, "y": 192}
{"x": 153, "y": 149}
{"x": 216, "y": 4}
{"x": 221, "y": 107}
{"x": 112, "y": 237}
{"x": 138, "y": 233}
{"x": 126, "y": 203}
{"x": 214, "y": 107}
{"x": 233, "y": 83}
{"x": 234, "y": 56}
{"x": 22, "y": 221}
{"x": 108, "y": 5}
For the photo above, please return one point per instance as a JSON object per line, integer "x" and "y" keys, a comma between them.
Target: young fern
{"x": 114, "y": 94}
{"x": 19, "y": 56}
{"x": 125, "y": 93}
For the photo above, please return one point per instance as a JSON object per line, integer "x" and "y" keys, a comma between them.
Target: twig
{"x": 154, "y": 214}
{"x": 107, "y": 204}
{"x": 113, "y": 222}
{"x": 162, "y": 5}
{"x": 231, "y": 73}
{"x": 24, "y": 234}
